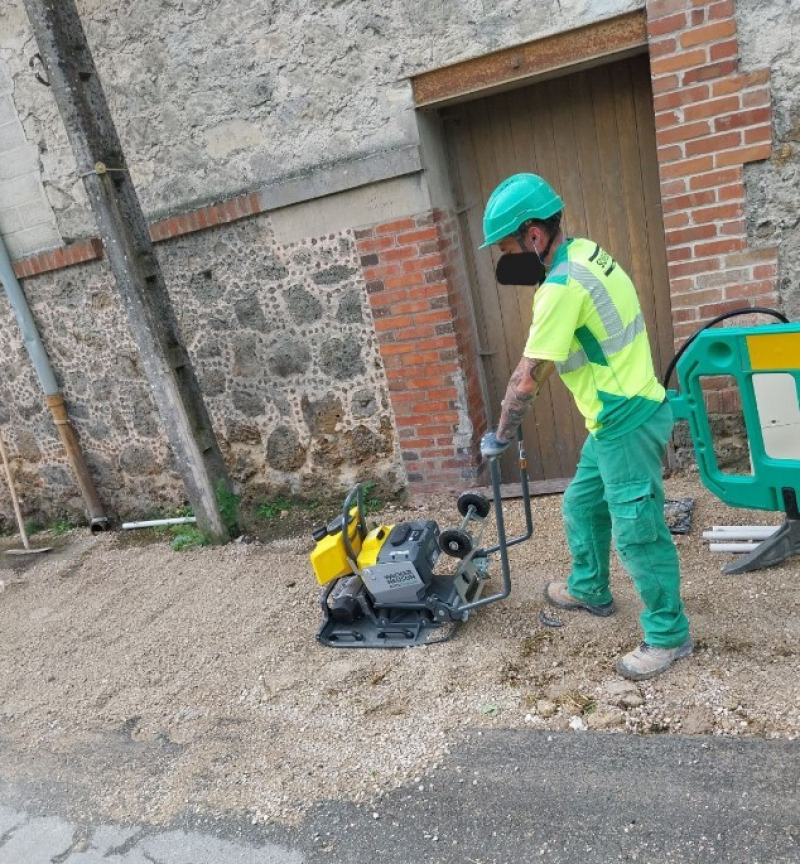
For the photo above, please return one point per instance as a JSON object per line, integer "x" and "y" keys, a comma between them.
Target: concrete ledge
{"x": 329, "y": 198}
{"x": 342, "y": 176}
{"x": 351, "y": 208}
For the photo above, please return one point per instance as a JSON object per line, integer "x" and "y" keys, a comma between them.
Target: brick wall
{"x": 711, "y": 119}
{"x": 459, "y": 294}
{"x": 415, "y": 283}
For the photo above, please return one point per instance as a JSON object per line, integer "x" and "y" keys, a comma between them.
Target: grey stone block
{"x": 289, "y": 357}
{"x": 342, "y": 360}
{"x": 348, "y": 174}
{"x": 32, "y": 240}
{"x": 6, "y": 85}
{"x": 20, "y": 190}
{"x": 20, "y": 161}
{"x": 284, "y": 450}
{"x": 8, "y": 111}
{"x": 36, "y": 212}
{"x": 12, "y": 136}
{"x": 10, "y": 221}
{"x": 302, "y": 305}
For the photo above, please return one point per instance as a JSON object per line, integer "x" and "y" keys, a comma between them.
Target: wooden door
{"x": 591, "y": 134}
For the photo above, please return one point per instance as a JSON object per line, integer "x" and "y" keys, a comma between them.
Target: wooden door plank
{"x": 560, "y": 426}
{"x": 538, "y": 427}
{"x": 479, "y": 271}
{"x": 645, "y": 125}
{"x": 461, "y": 164}
{"x": 572, "y": 426}
{"x": 467, "y": 195}
{"x": 641, "y": 270}
{"x": 482, "y": 174}
{"x": 515, "y": 322}
{"x": 569, "y": 180}
{"x": 589, "y": 159}
{"x": 611, "y": 169}
{"x": 505, "y": 154}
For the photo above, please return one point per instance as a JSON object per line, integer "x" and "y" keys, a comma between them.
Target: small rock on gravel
{"x": 625, "y": 694}
{"x": 606, "y": 718}
{"x": 546, "y": 708}
{"x": 698, "y": 721}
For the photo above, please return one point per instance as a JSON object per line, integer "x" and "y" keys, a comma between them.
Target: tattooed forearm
{"x": 523, "y": 388}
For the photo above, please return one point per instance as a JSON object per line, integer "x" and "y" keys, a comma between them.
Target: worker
{"x": 588, "y": 325}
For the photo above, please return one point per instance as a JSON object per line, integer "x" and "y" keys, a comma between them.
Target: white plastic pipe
{"x": 761, "y": 530}
{"x": 740, "y": 533}
{"x": 732, "y": 547}
{"x": 153, "y": 523}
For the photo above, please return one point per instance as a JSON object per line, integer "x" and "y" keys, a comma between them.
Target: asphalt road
{"x": 505, "y": 797}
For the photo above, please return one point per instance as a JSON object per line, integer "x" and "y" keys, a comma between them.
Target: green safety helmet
{"x": 516, "y": 200}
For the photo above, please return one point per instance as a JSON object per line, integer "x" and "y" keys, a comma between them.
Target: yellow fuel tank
{"x": 328, "y": 558}
{"x": 372, "y": 546}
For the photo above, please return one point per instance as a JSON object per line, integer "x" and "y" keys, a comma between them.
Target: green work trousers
{"x": 618, "y": 491}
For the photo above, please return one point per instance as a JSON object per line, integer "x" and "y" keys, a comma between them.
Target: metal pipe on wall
{"x": 98, "y": 521}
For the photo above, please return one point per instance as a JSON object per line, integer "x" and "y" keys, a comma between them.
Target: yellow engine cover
{"x": 372, "y": 546}
{"x": 329, "y": 559}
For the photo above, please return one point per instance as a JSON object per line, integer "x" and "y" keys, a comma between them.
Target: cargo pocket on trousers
{"x": 631, "y": 508}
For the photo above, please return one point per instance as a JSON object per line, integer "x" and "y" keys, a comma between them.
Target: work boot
{"x": 647, "y": 661}
{"x": 557, "y": 595}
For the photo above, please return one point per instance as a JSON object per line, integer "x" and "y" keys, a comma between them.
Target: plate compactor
{"x": 381, "y": 588}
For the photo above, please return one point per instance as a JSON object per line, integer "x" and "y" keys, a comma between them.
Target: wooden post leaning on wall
{"x": 151, "y": 318}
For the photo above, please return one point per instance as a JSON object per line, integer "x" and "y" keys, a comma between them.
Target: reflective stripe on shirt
{"x": 611, "y": 345}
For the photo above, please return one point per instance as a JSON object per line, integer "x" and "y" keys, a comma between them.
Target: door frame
{"x": 548, "y": 57}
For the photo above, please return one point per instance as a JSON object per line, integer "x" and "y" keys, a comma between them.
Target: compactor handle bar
{"x": 494, "y": 471}
{"x": 503, "y": 544}
{"x": 358, "y": 493}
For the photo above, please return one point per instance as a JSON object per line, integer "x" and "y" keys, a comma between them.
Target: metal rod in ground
{"x": 13, "y": 492}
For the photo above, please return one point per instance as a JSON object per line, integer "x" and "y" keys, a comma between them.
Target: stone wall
{"x": 305, "y": 101}
{"x": 769, "y": 35}
{"x": 214, "y": 97}
{"x": 284, "y": 347}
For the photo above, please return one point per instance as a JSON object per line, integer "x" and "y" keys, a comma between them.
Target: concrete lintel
{"x": 340, "y": 177}
{"x": 353, "y": 208}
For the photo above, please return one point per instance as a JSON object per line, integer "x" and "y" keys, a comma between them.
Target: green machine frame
{"x": 743, "y": 354}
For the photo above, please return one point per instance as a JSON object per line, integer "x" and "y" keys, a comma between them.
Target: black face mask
{"x": 520, "y": 268}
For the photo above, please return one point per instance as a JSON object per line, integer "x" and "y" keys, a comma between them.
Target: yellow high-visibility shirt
{"x": 587, "y": 318}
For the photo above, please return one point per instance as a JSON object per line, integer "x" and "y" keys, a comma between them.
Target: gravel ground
{"x": 209, "y": 656}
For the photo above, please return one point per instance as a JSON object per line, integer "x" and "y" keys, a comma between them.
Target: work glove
{"x": 491, "y": 445}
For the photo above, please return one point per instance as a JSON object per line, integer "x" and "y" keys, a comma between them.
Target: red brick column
{"x": 711, "y": 119}
{"x": 417, "y": 293}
